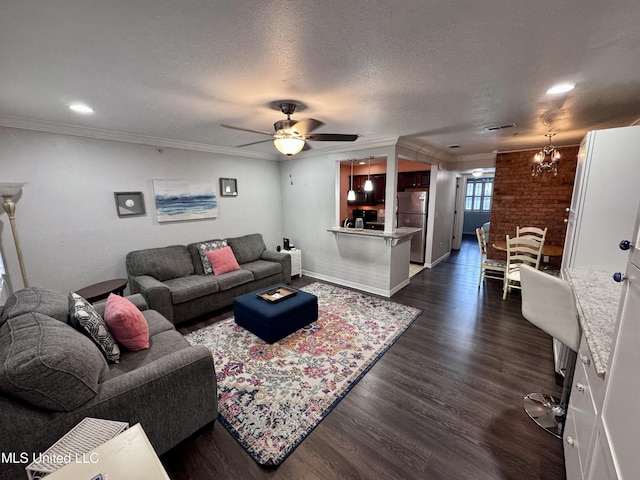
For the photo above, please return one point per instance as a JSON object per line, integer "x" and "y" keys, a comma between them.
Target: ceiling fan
{"x": 290, "y": 135}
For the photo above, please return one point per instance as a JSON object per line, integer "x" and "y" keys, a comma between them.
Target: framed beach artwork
{"x": 178, "y": 200}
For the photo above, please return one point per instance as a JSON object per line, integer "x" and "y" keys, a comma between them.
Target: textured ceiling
{"x": 435, "y": 72}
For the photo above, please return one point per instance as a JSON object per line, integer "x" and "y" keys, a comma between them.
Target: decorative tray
{"x": 277, "y": 294}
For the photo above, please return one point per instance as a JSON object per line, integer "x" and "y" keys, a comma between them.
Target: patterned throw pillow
{"x": 85, "y": 319}
{"x": 205, "y": 247}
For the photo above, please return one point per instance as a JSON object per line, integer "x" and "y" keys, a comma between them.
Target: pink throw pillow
{"x": 223, "y": 260}
{"x": 126, "y": 323}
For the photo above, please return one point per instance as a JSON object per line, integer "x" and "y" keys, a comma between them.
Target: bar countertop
{"x": 401, "y": 234}
{"x": 597, "y": 299}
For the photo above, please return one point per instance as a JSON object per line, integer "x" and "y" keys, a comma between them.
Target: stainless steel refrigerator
{"x": 412, "y": 212}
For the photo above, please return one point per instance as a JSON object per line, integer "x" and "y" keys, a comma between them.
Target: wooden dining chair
{"x": 531, "y": 232}
{"x": 489, "y": 268}
{"x": 520, "y": 251}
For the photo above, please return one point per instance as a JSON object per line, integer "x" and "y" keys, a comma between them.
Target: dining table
{"x": 547, "y": 250}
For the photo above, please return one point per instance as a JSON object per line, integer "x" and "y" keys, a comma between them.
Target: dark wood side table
{"x": 101, "y": 290}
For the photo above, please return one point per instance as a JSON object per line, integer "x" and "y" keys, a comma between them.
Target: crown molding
{"x": 86, "y": 132}
{"x": 425, "y": 149}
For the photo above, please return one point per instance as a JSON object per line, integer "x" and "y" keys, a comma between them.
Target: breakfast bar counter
{"x": 597, "y": 298}
{"x": 400, "y": 235}
{"x": 371, "y": 260}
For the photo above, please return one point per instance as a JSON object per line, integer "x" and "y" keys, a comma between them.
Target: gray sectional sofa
{"x": 52, "y": 376}
{"x": 176, "y": 282}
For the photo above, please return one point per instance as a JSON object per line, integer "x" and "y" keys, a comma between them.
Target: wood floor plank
{"x": 445, "y": 402}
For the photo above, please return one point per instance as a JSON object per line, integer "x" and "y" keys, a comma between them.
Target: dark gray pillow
{"x": 35, "y": 299}
{"x": 204, "y": 247}
{"x": 87, "y": 320}
{"x": 47, "y": 364}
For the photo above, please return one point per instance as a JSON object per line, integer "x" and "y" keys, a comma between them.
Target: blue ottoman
{"x": 274, "y": 321}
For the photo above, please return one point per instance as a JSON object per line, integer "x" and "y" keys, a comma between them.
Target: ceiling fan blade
{"x": 253, "y": 143}
{"x": 307, "y": 125}
{"x": 331, "y": 137}
{"x": 245, "y": 129}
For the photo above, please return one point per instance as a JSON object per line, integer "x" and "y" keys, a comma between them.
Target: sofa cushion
{"x": 233, "y": 279}
{"x": 247, "y": 248}
{"x": 263, "y": 268}
{"x": 194, "y": 286}
{"x": 161, "y": 344}
{"x": 48, "y": 364}
{"x": 203, "y": 248}
{"x": 157, "y": 322}
{"x": 222, "y": 260}
{"x": 35, "y": 299}
{"x": 160, "y": 263}
{"x": 85, "y": 319}
{"x": 126, "y": 323}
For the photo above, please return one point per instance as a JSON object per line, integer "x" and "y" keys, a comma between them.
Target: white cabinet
{"x": 585, "y": 403}
{"x": 605, "y": 199}
{"x": 621, "y": 416}
{"x": 296, "y": 261}
{"x": 602, "y": 466}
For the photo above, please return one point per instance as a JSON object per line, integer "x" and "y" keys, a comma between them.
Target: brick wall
{"x": 524, "y": 200}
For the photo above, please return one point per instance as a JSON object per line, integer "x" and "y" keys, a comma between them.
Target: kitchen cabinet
{"x": 604, "y": 201}
{"x": 414, "y": 180}
{"x": 585, "y": 402}
{"x": 379, "y": 186}
{"x": 620, "y": 416}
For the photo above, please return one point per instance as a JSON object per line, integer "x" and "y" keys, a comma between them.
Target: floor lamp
{"x": 8, "y": 192}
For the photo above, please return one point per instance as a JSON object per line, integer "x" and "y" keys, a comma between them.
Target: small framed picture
{"x": 129, "y": 204}
{"x": 228, "y": 187}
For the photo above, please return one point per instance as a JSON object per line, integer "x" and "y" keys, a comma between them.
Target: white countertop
{"x": 597, "y": 297}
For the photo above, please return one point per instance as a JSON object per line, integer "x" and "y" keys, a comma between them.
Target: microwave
{"x": 362, "y": 198}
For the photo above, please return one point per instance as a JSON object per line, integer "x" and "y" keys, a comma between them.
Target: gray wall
{"x": 70, "y": 232}
{"x": 474, "y": 220}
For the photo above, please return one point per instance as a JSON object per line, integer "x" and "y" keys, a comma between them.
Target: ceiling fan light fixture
{"x": 288, "y": 143}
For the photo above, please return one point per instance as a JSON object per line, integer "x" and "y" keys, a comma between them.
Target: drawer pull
{"x": 585, "y": 360}
{"x": 580, "y": 387}
{"x": 619, "y": 277}
{"x": 570, "y": 441}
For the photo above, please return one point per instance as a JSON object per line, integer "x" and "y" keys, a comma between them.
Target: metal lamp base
{"x": 546, "y": 411}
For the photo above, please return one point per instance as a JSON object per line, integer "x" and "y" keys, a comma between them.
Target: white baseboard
{"x": 357, "y": 286}
{"x": 442, "y": 258}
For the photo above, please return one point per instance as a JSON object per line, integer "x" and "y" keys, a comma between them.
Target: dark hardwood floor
{"x": 445, "y": 402}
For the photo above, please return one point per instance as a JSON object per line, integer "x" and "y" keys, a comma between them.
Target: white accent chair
{"x": 520, "y": 251}
{"x": 531, "y": 232}
{"x": 548, "y": 302}
{"x": 489, "y": 268}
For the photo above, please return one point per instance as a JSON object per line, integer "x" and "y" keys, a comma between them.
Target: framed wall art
{"x": 178, "y": 200}
{"x": 129, "y": 204}
{"x": 228, "y": 187}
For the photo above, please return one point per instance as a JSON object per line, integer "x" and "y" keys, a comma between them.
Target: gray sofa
{"x": 173, "y": 280}
{"x": 52, "y": 376}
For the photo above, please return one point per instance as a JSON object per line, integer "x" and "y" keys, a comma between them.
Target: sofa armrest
{"x": 171, "y": 398}
{"x": 137, "y": 299}
{"x": 156, "y": 294}
{"x": 283, "y": 259}
{"x": 179, "y": 388}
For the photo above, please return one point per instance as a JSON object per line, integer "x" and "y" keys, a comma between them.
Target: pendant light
{"x": 546, "y": 160}
{"x": 368, "y": 185}
{"x": 351, "y": 195}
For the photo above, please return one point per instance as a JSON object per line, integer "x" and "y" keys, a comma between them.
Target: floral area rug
{"x": 272, "y": 396}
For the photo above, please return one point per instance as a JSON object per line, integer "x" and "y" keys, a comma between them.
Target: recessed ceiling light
{"x": 561, "y": 88}
{"x": 80, "y": 108}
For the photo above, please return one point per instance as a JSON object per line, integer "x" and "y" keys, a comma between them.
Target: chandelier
{"x": 546, "y": 160}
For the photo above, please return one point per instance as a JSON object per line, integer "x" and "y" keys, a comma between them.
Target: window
{"x": 478, "y": 196}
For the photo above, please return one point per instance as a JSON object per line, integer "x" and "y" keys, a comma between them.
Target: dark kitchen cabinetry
{"x": 379, "y": 186}
{"x": 414, "y": 180}
{"x": 372, "y": 198}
